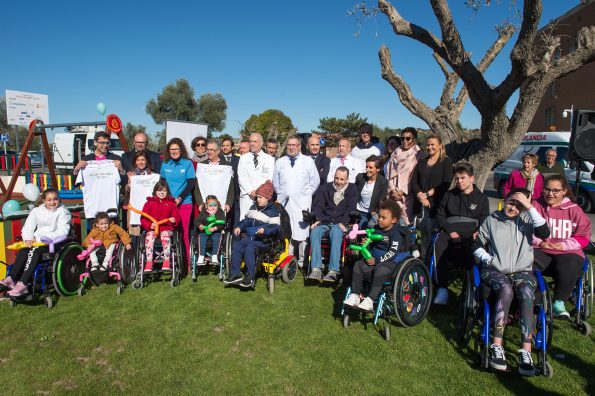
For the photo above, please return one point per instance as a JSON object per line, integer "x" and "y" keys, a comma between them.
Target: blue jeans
{"x": 367, "y": 220}
{"x": 203, "y": 238}
{"x": 245, "y": 248}
{"x": 336, "y": 235}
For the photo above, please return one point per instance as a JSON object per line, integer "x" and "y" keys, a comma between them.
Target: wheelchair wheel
{"x": 66, "y": 269}
{"x": 387, "y": 332}
{"x": 466, "y": 309}
{"x": 289, "y": 272}
{"x": 412, "y": 292}
{"x": 127, "y": 264}
{"x": 271, "y": 284}
{"x": 194, "y": 254}
{"x": 346, "y": 321}
{"x": 588, "y": 292}
{"x": 48, "y": 302}
{"x": 226, "y": 262}
{"x": 180, "y": 255}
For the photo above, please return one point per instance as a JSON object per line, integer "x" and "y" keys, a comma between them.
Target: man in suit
{"x": 141, "y": 141}
{"x": 322, "y": 162}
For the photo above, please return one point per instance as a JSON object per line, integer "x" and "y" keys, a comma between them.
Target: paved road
{"x": 495, "y": 198}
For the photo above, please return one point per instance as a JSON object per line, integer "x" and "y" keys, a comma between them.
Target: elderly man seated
{"x": 332, "y": 205}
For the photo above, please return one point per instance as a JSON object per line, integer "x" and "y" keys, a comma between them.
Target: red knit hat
{"x": 266, "y": 190}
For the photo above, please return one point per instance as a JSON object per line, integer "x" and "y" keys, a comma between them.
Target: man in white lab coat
{"x": 254, "y": 168}
{"x": 344, "y": 158}
{"x": 295, "y": 180}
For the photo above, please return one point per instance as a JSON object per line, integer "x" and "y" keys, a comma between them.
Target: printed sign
{"x": 24, "y": 107}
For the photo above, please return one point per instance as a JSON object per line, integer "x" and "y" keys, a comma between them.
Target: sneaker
{"x": 166, "y": 266}
{"x": 559, "y": 310}
{"x": 233, "y": 279}
{"x": 441, "y": 296}
{"x": 7, "y": 283}
{"x": 526, "y": 367}
{"x": 315, "y": 274}
{"x": 367, "y": 304}
{"x": 497, "y": 358}
{"x": 247, "y": 282}
{"x": 19, "y": 289}
{"x": 149, "y": 266}
{"x": 352, "y": 300}
{"x": 331, "y": 276}
{"x": 214, "y": 260}
{"x": 201, "y": 260}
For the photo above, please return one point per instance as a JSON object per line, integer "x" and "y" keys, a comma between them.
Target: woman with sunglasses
{"x": 527, "y": 177}
{"x": 399, "y": 170}
{"x": 199, "y": 145}
{"x": 561, "y": 255}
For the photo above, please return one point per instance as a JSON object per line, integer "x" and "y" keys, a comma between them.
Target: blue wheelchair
{"x": 407, "y": 296}
{"x": 582, "y": 295}
{"x": 475, "y": 319}
{"x": 58, "y": 270}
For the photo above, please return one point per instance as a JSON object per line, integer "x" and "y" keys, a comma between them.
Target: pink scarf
{"x": 400, "y": 168}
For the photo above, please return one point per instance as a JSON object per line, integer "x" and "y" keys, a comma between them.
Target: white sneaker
{"x": 214, "y": 260}
{"x": 367, "y": 304}
{"x": 352, "y": 300}
{"x": 441, "y": 296}
{"x": 201, "y": 260}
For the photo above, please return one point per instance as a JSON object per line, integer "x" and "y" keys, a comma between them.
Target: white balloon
{"x": 31, "y": 192}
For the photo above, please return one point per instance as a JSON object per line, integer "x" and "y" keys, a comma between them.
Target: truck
{"x": 70, "y": 146}
{"x": 538, "y": 143}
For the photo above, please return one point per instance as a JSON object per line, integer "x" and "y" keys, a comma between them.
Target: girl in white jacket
{"x": 51, "y": 220}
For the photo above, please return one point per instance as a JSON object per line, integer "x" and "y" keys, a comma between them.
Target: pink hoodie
{"x": 516, "y": 180}
{"x": 568, "y": 225}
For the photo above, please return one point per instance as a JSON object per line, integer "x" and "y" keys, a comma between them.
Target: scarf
{"x": 145, "y": 171}
{"x": 400, "y": 168}
{"x": 339, "y": 194}
{"x": 530, "y": 177}
{"x": 199, "y": 158}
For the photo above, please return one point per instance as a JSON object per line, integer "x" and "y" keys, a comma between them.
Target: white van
{"x": 538, "y": 143}
{"x": 70, "y": 147}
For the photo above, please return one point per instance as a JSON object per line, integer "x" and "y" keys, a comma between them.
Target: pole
{"x": 16, "y": 137}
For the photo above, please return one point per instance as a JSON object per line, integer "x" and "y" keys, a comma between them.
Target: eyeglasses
{"x": 200, "y": 145}
{"x": 104, "y": 143}
{"x": 552, "y": 190}
{"x": 407, "y": 138}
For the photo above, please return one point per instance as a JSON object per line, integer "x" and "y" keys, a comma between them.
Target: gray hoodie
{"x": 509, "y": 241}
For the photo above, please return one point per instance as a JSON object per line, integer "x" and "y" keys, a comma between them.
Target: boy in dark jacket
{"x": 332, "y": 205}
{"x": 460, "y": 213}
{"x": 260, "y": 224}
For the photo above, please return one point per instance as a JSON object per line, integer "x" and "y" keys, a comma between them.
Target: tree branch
{"x": 585, "y": 53}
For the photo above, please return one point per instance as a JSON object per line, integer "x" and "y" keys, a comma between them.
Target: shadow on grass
{"x": 577, "y": 364}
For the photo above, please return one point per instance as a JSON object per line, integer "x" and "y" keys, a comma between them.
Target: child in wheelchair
{"x": 261, "y": 224}
{"x": 383, "y": 261}
{"x": 161, "y": 206}
{"x": 506, "y": 268}
{"x": 108, "y": 233}
{"x": 51, "y": 220}
{"x": 210, "y": 208}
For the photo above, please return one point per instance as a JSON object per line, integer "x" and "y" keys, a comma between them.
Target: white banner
{"x": 141, "y": 187}
{"x": 24, "y": 107}
{"x": 186, "y": 131}
{"x": 214, "y": 180}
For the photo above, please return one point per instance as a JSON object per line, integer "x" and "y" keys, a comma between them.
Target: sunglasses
{"x": 407, "y": 138}
{"x": 199, "y": 145}
{"x": 213, "y": 204}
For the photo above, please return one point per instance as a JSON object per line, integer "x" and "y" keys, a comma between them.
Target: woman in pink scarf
{"x": 399, "y": 169}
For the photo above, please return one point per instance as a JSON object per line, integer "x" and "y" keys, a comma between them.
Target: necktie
{"x": 342, "y": 161}
{"x": 228, "y": 158}
{"x": 292, "y": 160}
{"x": 255, "y": 160}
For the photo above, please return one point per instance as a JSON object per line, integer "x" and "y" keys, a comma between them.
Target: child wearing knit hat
{"x": 262, "y": 222}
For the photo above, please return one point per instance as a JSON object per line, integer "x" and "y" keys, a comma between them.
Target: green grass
{"x": 204, "y": 338}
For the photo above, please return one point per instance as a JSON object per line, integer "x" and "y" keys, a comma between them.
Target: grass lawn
{"x": 204, "y": 338}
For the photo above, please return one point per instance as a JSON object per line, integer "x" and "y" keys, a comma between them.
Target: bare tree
{"x": 533, "y": 66}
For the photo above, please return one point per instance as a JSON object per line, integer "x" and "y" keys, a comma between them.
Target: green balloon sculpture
{"x": 363, "y": 248}
{"x": 212, "y": 223}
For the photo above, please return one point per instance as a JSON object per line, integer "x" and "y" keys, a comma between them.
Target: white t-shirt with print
{"x": 101, "y": 187}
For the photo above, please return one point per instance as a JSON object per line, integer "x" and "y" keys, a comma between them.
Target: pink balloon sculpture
{"x": 94, "y": 245}
{"x": 355, "y": 231}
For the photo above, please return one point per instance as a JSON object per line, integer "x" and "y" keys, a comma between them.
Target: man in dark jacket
{"x": 333, "y": 203}
{"x": 322, "y": 162}
{"x": 550, "y": 166}
{"x": 140, "y": 142}
{"x": 460, "y": 213}
{"x": 228, "y": 156}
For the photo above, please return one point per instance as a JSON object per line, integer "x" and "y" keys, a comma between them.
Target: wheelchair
{"x": 120, "y": 267}
{"x": 406, "y": 297}
{"x": 475, "y": 319}
{"x": 224, "y": 256}
{"x": 176, "y": 261}
{"x": 582, "y": 295}
{"x": 57, "y": 270}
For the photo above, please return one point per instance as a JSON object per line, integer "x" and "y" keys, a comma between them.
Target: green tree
{"x": 348, "y": 126}
{"x": 175, "y": 102}
{"x": 271, "y": 123}
{"x": 130, "y": 130}
{"x": 157, "y": 142}
{"x": 212, "y": 110}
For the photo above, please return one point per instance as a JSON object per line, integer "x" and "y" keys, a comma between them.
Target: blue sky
{"x": 297, "y": 56}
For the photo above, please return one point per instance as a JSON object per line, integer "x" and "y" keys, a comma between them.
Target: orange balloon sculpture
{"x": 148, "y": 216}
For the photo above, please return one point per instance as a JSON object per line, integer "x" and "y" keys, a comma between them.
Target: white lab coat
{"x": 250, "y": 178}
{"x": 295, "y": 187}
{"x": 355, "y": 166}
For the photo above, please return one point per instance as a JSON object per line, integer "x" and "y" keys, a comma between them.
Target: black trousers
{"x": 25, "y": 263}
{"x": 565, "y": 268}
{"x": 448, "y": 249}
{"x": 378, "y": 273}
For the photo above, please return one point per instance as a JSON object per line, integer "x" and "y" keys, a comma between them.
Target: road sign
{"x": 4, "y": 137}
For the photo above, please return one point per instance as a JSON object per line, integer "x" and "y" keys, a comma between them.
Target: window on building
{"x": 550, "y": 117}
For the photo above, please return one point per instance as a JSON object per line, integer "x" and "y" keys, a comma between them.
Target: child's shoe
{"x": 441, "y": 296}
{"x": 526, "y": 367}
{"x": 367, "y": 304}
{"x": 214, "y": 260}
{"x": 496, "y": 357}
{"x": 149, "y": 266}
{"x": 165, "y": 266}
{"x": 201, "y": 260}
{"x": 7, "y": 283}
{"x": 19, "y": 289}
{"x": 352, "y": 300}
{"x": 559, "y": 310}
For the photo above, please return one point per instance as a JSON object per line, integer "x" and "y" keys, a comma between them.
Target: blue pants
{"x": 366, "y": 220}
{"x": 203, "y": 238}
{"x": 336, "y": 236}
{"x": 245, "y": 248}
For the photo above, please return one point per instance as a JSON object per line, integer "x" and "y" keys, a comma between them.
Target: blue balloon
{"x": 101, "y": 108}
{"x": 10, "y": 207}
